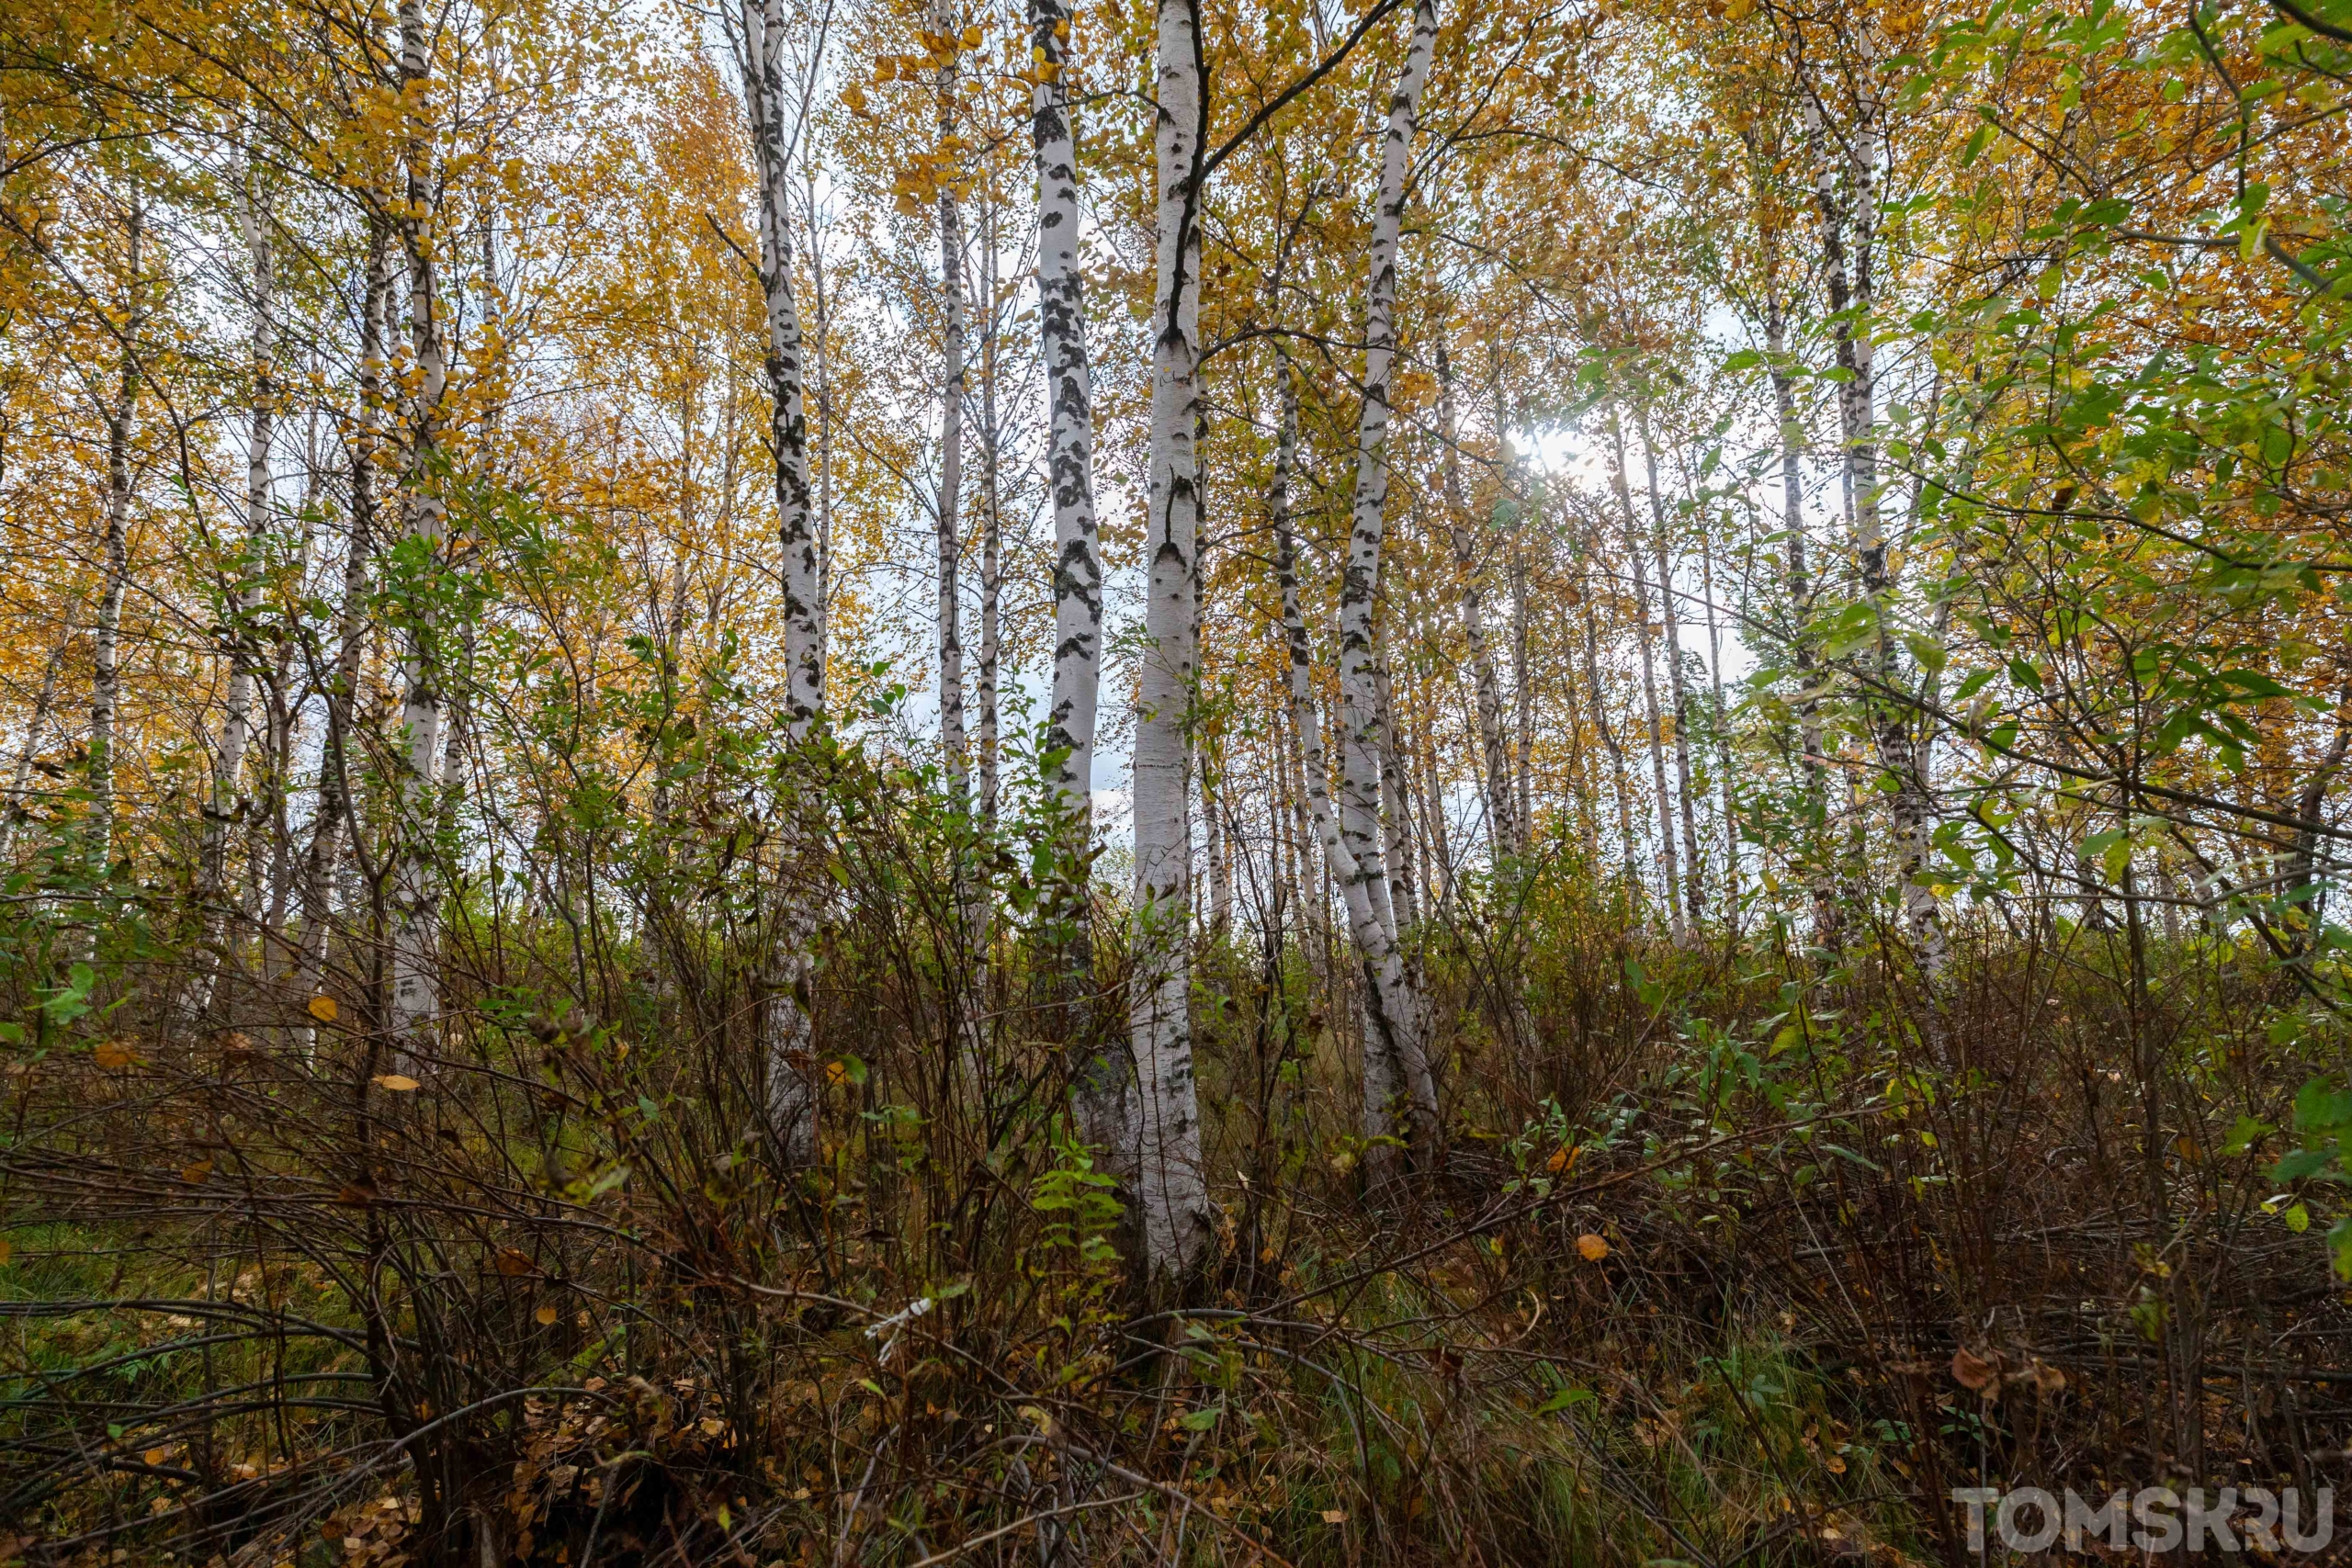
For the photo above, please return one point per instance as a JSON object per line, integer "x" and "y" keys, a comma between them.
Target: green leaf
{"x": 2245, "y": 1134}
{"x": 1200, "y": 1420}
{"x": 1564, "y": 1398}
{"x": 2322, "y": 1110}
{"x": 2302, "y": 1163}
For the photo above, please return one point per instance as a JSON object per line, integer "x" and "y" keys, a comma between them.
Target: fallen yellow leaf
{"x": 112, "y": 1055}
{"x": 545, "y": 1315}
{"x": 197, "y": 1175}
{"x": 1335, "y": 1516}
{"x": 322, "y": 1008}
{"x": 1591, "y": 1248}
{"x": 399, "y": 1083}
{"x": 156, "y": 1456}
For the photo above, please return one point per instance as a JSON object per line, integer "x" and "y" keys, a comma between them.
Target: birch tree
{"x": 1170, "y": 1190}
{"x": 955, "y": 745}
{"x": 1380, "y": 958}
{"x": 1505, "y": 827}
{"x": 416, "y": 996}
{"x": 105, "y": 644}
{"x": 1393, "y": 1034}
{"x": 236, "y": 722}
{"x": 1670, "y": 859}
{"x": 1098, "y": 1084}
{"x": 788, "y": 1030}
{"x": 334, "y": 812}
{"x": 1677, "y": 680}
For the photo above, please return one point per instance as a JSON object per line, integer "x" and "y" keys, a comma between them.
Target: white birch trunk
{"x": 1678, "y": 685}
{"x": 1853, "y": 295}
{"x": 44, "y": 703}
{"x": 1061, "y": 311}
{"x": 1099, "y": 1082}
{"x": 106, "y": 676}
{"x": 1820, "y": 884}
{"x": 787, "y": 1029}
{"x": 955, "y": 745}
{"x": 416, "y": 1000}
{"x": 1170, "y": 1190}
{"x": 351, "y": 630}
{"x": 1381, "y": 958}
{"x": 1619, "y": 778}
{"x": 236, "y": 723}
{"x": 1505, "y": 830}
{"x": 1364, "y": 746}
{"x": 1669, "y": 863}
{"x": 992, "y": 531}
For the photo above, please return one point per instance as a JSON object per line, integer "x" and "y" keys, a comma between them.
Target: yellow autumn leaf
{"x": 1591, "y": 1248}
{"x": 322, "y": 1008}
{"x": 1335, "y": 1516}
{"x": 197, "y": 1175}
{"x": 113, "y": 1055}
{"x": 545, "y": 1315}
{"x": 972, "y": 37}
{"x": 398, "y": 1083}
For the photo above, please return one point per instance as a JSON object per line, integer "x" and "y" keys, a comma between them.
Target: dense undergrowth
{"x": 1718, "y": 1264}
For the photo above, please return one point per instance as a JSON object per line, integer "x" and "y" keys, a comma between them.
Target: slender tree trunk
{"x": 351, "y": 628}
{"x": 953, "y": 743}
{"x": 1381, "y": 956}
{"x": 1721, "y": 737}
{"x": 244, "y": 599}
{"x": 1678, "y": 683}
{"x": 1853, "y": 296}
{"x": 822, "y": 353}
{"x": 1523, "y": 687}
{"x": 1504, "y": 829}
{"x": 787, "y": 1027}
{"x": 1170, "y": 1190}
{"x": 280, "y": 959}
{"x": 1214, "y": 817}
{"x": 1098, "y": 1078}
{"x": 1816, "y": 847}
{"x": 1617, "y": 771}
{"x": 1442, "y": 870}
{"x": 991, "y": 527}
{"x": 1396, "y": 1014}
{"x": 44, "y": 702}
{"x": 1524, "y": 499}
{"x": 416, "y": 999}
{"x": 106, "y": 694}
{"x": 1395, "y": 810}
{"x": 1669, "y": 861}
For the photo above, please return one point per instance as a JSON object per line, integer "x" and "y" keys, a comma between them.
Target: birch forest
{"x": 1173, "y": 782}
